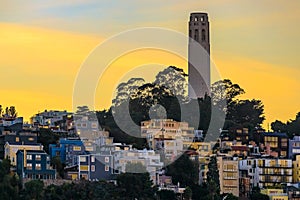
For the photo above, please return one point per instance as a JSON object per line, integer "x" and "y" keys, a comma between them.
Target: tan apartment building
{"x": 229, "y": 175}
{"x": 170, "y": 136}
{"x": 10, "y": 150}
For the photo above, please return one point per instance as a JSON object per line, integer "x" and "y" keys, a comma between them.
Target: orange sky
{"x": 42, "y": 48}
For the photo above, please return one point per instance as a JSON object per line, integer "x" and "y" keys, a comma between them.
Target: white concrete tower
{"x": 199, "y": 58}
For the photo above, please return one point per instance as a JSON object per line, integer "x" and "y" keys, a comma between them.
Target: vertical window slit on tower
{"x": 196, "y": 35}
{"x": 203, "y": 35}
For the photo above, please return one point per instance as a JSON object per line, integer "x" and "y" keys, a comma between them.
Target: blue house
{"x": 68, "y": 150}
{"x": 294, "y": 146}
{"x": 96, "y": 167}
{"x": 34, "y": 164}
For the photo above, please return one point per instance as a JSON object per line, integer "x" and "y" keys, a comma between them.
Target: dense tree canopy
{"x": 291, "y": 127}
{"x": 140, "y": 186}
{"x": 184, "y": 171}
{"x": 9, "y": 182}
{"x": 166, "y": 97}
{"x": 8, "y": 112}
{"x": 213, "y": 184}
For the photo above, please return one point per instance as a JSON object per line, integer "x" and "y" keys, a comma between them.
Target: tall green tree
{"x": 33, "y": 190}
{"x": 58, "y": 165}
{"x": 224, "y": 91}
{"x": 166, "y": 195}
{"x": 46, "y": 137}
{"x": 188, "y": 193}
{"x": 9, "y": 182}
{"x": 279, "y": 126}
{"x": 213, "y": 178}
{"x": 291, "y": 127}
{"x": 127, "y": 90}
{"x": 184, "y": 171}
{"x": 1, "y": 111}
{"x": 247, "y": 112}
{"x": 10, "y": 111}
{"x": 140, "y": 186}
{"x": 175, "y": 80}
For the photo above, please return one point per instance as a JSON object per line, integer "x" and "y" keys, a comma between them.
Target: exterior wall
{"x": 266, "y": 172}
{"x": 229, "y": 176}
{"x": 148, "y": 158}
{"x": 72, "y": 152}
{"x": 95, "y": 167}
{"x": 168, "y": 135}
{"x": 240, "y": 134}
{"x": 87, "y": 128}
{"x": 294, "y": 147}
{"x": 11, "y": 123}
{"x": 34, "y": 165}
{"x": 203, "y": 169}
{"x": 61, "y": 149}
{"x": 275, "y": 194}
{"x": 16, "y": 138}
{"x": 199, "y": 59}
{"x": 296, "y": 169}
{"x": 11, "y": 150}
{"x": 278, "y": 142}
{"x": 274, "y": 171}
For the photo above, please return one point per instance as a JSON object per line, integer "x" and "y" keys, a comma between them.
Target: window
{"x": 31, "y": 139}
{"x": 94, "y": 125}
{"x": 196, "y": 35}
{"x": 203, "y": 35}
{"x": 38, "y": 166}
{"x": 76, "y": 148}
{"x": 29, "y": 157}
{"x": 93, "y": 168}
{"x": 29, "y": 166}
{"x": 17, "y": 139}
{"x": 92, "y": 158}
{"x": 106, "y": 168}
{"x": 107, "y": 159}
{"x": 84, "y": 168}
{"x": 38, "y": 157}
{"x": 82, "y": 158}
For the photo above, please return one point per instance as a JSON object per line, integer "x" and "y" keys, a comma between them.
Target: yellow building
{"x": 10, "y": 150}
{"x": 166, "y": 134}
{"x": 296, "y": 169}
{"x": 275, "y": 194}
{"x": 203, "y": 148}
{"x": 229, "y": 175}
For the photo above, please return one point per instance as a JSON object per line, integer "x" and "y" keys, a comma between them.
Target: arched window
{"x": 196, "y": 35}
{"x": 196, "y": 19}
{"x": 203, "y": 35}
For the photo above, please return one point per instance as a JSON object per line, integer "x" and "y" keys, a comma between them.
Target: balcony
{"x": 229, "y": 170}
{"x": 230, "y": 178}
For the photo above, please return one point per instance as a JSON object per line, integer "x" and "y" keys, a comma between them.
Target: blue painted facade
{"x": 294, "y": 147}
{"x": 96, "y": 167}
{"x": 34, "y": 164}
{"x": 68, "y": 150}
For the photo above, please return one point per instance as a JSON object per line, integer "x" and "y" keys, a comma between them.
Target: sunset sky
{"x": 43, "y": 44}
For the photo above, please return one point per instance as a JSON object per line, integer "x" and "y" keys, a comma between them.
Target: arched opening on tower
{"x": 203, "y": 35}
{"x": 196, "y": 35}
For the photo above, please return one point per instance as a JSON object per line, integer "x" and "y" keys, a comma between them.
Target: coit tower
{"x": 199, "y": 56}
